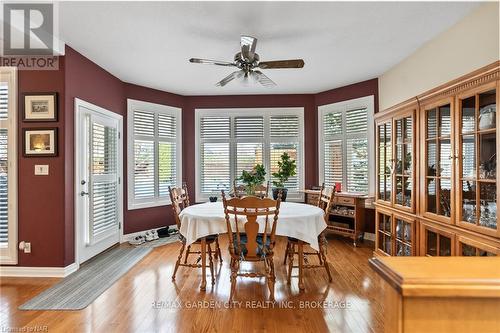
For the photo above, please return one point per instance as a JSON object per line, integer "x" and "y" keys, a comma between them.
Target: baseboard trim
{"x": 369, "y": 236}
{"x": 58, "y": 272}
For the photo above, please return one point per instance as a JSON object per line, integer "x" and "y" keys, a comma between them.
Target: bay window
{"x": 229, "y": 141}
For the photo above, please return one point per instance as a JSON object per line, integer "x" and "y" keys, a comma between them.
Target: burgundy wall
{"x": 356, "y": 90}
{"x": 46, "y": 203}
{"x": 249, "y": 101}
{"x": 89, "y": 82}
{"x": 41, "y": 199}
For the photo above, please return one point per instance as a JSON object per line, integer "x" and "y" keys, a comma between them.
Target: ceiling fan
{"x": 249, "y": 64}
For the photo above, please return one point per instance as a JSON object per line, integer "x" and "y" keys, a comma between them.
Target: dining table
{"x": 297, "y": 220}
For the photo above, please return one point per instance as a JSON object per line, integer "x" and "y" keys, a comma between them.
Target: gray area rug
{"x": 81, "y": 288}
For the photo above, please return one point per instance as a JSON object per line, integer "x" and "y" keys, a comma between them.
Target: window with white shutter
{"x": 230, "y": 141}
{"x": 345, "y": 150}
{"x": 154, "y": 153}
{"x": 8, "y": 166}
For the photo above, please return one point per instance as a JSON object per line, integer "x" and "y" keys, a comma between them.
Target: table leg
{"x": 301, "y": 264}
{"x": 203, "y": 285}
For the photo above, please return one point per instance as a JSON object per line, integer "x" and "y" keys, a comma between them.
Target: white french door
{"x": 98, "y": 163}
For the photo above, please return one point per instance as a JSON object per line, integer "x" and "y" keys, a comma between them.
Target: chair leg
{"x": 217, "y": 250}
{"x": 300, "y": 247}
{"x": 291, "y": 255}
{"x": 286, "y": 252}
{"x": 211, "y": 263}
{"x": 187, "y": 254}
{"x": 234, "y": 274}
{"x": 319, "y": 258}
{"x": 271, "y": 279}
{"x": 177, "y": 263}
{"x": 325, "y": 263}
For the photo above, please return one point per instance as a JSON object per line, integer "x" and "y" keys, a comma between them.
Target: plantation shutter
{"x": 104, "y": 179}
{"x": 215, "y": 133}
{"x": 284, "y": 137}
{"x": 144, "y": 155}
{"x": 357, "y": 150}
{"x": 167, "y": 153}
{"x": 333, "y": 149}
{"x": 4, "y": 198}
{"x": 156, "y": 138}
{"x": 345, "y": 149}
{"x": 249, "y": 134}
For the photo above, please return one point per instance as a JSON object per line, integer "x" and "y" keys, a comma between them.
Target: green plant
{"x": 253, "y": 178}
{"x": 286, "y": 169}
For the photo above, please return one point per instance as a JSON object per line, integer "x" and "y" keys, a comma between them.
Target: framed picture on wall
{"x": 40, "y": 107}
{"x": 41, "y": 142}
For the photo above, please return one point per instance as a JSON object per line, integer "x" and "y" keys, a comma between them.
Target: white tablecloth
{"x": 301, "y": 221}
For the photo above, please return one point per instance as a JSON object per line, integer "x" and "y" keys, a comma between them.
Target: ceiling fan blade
{"x": 248, "y": 45}
{"x": 295, "y": 63}
{"x": 211, "y": 62}
{"x": 230, "y": 77}
{"x": 262, "y": 79}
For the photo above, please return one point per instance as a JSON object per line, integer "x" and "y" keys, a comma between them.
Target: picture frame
{"x": 40, "y": 107}
{"x": 40, "y": 142}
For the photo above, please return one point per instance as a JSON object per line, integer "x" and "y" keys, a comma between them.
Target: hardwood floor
{"x": 146, "y": 299}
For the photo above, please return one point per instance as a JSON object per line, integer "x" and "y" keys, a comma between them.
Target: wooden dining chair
{"x": 246, "y": 243}
{"x": 180, "y": 200}
{"x": 296, "y": 247}
{"x": 240, "y": 190}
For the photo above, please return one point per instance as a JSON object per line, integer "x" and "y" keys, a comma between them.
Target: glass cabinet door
{"x": 404, "y": 236}
{"x": 436, "y": 242}
{"x": 384, "y": 233}
{"x": 477, "y": 179}
{"x": 385, "y": 161}
{"x": 439, "y": 156}
{"x": 404, "y": 161}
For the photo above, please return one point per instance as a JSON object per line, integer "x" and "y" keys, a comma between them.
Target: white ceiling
{"x": 341, "y": 43}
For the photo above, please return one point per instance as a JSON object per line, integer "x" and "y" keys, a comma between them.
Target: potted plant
{"x": 253, "y": 178}
{"x": 286, "y": 169}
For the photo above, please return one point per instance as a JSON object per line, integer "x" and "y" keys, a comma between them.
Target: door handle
{"x": 83, "y": 193}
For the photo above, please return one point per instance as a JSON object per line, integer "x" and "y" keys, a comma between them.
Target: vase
{"x": 284, "y": 191}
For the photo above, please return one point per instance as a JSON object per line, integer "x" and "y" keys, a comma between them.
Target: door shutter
{"x": 103, "y": 180}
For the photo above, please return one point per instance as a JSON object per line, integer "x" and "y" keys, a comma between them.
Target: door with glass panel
{"x": 438, "y": 163}
{"x": 477, "y": 179}
{"x": 98, "y": 179}
{"x": 8, "y": 166}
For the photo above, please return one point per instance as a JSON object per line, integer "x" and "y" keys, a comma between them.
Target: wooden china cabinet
{"x": 395, "y": 201}
{"x": 437, "y": 170}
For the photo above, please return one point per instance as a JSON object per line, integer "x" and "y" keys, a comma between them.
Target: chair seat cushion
{"x": 244, "y": 241}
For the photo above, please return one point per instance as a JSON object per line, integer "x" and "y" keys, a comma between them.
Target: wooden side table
{"x": 347, "y": 215}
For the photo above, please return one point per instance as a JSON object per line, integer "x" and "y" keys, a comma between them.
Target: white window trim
{"x": 9, "y": 254}
{"x": 367, "y": 102}
{"x": 132, "y": 105}
{"x": 296, "y": 111}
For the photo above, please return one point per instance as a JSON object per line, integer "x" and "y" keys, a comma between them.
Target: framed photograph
{"x": 40, "y": 107}
{"x": 40, "y": 142}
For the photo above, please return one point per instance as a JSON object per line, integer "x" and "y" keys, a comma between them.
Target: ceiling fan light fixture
{"x": 248, "y": 61}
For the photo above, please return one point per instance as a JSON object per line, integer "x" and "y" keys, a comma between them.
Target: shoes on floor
{"x": 137, "y": 240}
{"x": 155, "y": 234}
{"x": 149, "y": 236}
